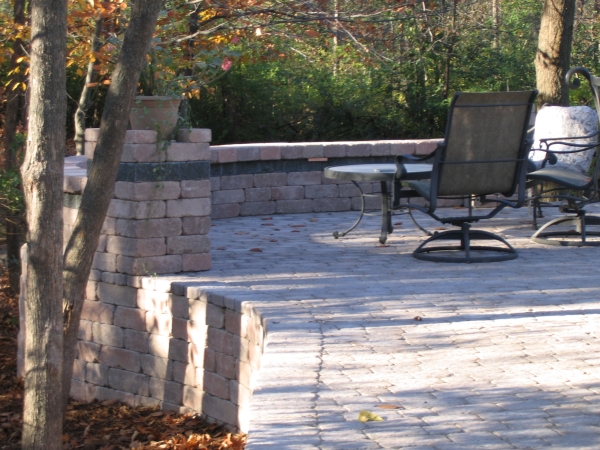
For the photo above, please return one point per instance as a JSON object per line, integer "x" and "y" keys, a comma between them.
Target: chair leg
{"x": 569, "y": 238}
{"x": 464, "y": 252}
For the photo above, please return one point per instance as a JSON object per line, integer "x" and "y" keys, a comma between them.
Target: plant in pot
{"x": 173, "y": 74}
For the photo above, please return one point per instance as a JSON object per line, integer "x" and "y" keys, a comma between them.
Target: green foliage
{"x": 11, "y": 195}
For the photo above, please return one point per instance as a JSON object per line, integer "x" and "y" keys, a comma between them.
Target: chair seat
{"x": 564, "y": 177}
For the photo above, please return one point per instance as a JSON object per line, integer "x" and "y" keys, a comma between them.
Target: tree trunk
{"x": 98, "y": 192}
{"x": 554, "y": 51}
{"x": 42, "y": 173}
{"x": 496, "y": 21}
{"x": 86, "y": 92}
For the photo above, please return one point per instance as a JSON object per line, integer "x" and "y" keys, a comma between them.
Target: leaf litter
{"x": 108, "y": 425}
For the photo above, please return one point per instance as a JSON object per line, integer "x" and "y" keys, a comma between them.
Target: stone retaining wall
{"x": 257, "y": 179}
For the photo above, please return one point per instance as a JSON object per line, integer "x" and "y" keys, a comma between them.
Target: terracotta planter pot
{"x": 155, "y": 113}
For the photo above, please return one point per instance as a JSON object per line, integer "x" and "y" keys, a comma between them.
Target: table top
{"x": 376, "y": 172}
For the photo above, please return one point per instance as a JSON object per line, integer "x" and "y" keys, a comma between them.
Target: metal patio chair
{"x": 570, "y": 186}
{"x": 484, "y": 153}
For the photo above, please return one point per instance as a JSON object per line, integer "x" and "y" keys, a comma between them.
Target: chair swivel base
{"x": 465, "y": 252}
{"x": 569, "y": 238}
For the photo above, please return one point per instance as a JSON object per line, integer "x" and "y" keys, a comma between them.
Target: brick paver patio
{"x": 506, "y": 355}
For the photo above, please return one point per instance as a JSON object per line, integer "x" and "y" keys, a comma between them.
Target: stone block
{"x": 151, "y": 228}
{"x": 239, "y": 394}
{"x": 381, "y": 149}
{"x": 91, "y": 134}
{"x": 156, "y": 367}
{"x": 214, "y": 155}
{"x": 150, "y": 300}
{"x": 103, "y": 394}
{"x": 255, "y": 355}
{"x": 147, "y": 402}
{"x": 136, "y": 341}
{"x": 192, "y": 398}
{"x": 180, "y": 306}
{"x": 85, "y": 330}
{"x": 222, "y": 410}
{"x": 157, "y": 190}
{"x": 106, "y": 262}
{"x": 262, "y": 194}
{"x": 96, "y": 275}
{"x": 349, "y": 190}
{"x": 215, "y": 316}
{"x": 287, "y": 192}
{"x": 226, "y": 366}
{"x": 108, "y": 335}
{"x": 88, "y": 351}
{"x": 179, "y": 350}
{"x": 194, "y": 135}
{"x": 248, "y": 153}
{"x": 96, "y": 374}
{"x": 270, "y": 179}
{"x": 293, "y": 206}
{"x": 270, "y": 152}
{"x": 158, "y": 345}
{"x": 141, "y": 137}
{"x": 210, "y": 360}
{"x": 196, "y": 263}
{"x": 160, "y": 324}
{"x": 195, "y": 189}
{"x": 245, "y": 374}
{"x": 198, "y": 311}
{"x": 136, "y": 247}
{"x": 97, "y": 312}
{"x": 196, "y": 355}
{"x": 231, "y": 182}
{"x": 225, "y": 211}
{"x": 229, "y": 196}
{"x": 292, "y": 151}
{"x": 181, "y": 151}
{"x": 195, "y": 225}
{"x": 169, "y": 391}
{"x": 89, "y": 149}
{"x": 178, "y": 245}
{"x": 125, "y": 209}
{"x": 321, "y": 191}
{"x": 117, "y": 295}
{"x": 78, "y": 390}
{"x": 187, "y": 374}
{"x": 257, "y": 208}
{"x": 358, "y": 149}
{"x": 370, "y": 203}
{"x": 131, "y": 318}
{"x": 313, "y": 151}
{"x": 220, "y": 341}
{"x": 303, "y": 178}
{"x": 72, "y": 184}
{"x": 134, "y": 383}
{"x": 240, "y": 348}
{"x": 226, "y": 154}
{"x": 109, "y": 226}
{"x": 142, "y": 153}
{"x": 334, "y": 150}
{"x": 79, "y": 370}
{"x": 426, "y": 146}
{"x": 120, "y": 358}
{"x": 216, "y": 385}
{"x": 189, "y": 207}
{"x": 102, "y": 239}
{"x": 332, "y": 204}
{"x": 90, "y": 290}
{"x": 235, "y": 322}
{"x": 402, "y": 148}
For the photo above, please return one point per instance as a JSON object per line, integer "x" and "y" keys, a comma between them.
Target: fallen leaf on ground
{"x": 314, "y": 220}
{"x": 389, "y": 406}
{"x": 295, "y": 231}
{"x": 256, "y": 250}
{"x": 418, "y": 318}
{"x": 267, "y": 224}
{"x": 368, "y": 416}
{"x": 397, "y": 224}
{"x": 267, "y": 218}
{"x": 297, "y": 226}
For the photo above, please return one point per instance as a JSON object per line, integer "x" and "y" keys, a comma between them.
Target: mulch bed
{"x": 108, "y": 425}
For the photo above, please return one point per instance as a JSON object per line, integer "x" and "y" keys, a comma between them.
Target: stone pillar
{"x": 159, "y": 219}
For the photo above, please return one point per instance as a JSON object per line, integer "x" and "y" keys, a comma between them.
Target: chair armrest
{"x": 401, "y": 160}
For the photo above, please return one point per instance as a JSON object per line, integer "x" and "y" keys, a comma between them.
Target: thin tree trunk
{"x": 496, "y": 21}
{"x": 98, "y": 192}
{"x": 42, "y": 173}
{"x": 86, "y": 92}
{"x": 554, "y": 51}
